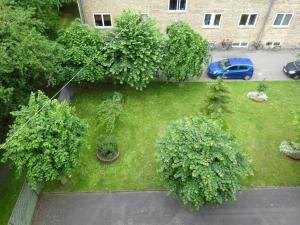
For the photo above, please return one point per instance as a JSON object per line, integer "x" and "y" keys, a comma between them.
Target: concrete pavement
{"x": 268, "y": 64}
{"x": 253, "y": 207}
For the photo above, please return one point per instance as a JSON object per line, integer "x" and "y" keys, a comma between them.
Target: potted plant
{"x": 290, "y": 149}
{"x": 107, "y": 149}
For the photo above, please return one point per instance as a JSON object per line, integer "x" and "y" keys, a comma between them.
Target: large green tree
{"x": 46, "y": 11}
{"x": 134, "y": 50}
{"x": 186, "y": 52}
{"x": 44, "y": 140}
{"x": 83, "y": 47}
{"x": 201, "y": 162}
{"x": 27, "y": 58}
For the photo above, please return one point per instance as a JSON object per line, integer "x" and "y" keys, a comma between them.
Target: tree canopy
{"x": 83, "y": 46}
{"x": 134, "y": 50}
{"x": 186, "y": 52}
{"x": 201, "y": 162}
{"x": 27, "y": 58}
{"x": 47, "y": 147}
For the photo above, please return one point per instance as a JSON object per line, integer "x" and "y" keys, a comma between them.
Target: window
{"x": 103, "y": 20}
{"x": 212, "y": 20}
{"x": 282, "y": 19}
{"x": 239, "y": 44}
{"x": 234, "y": 68}
{"x": 243, "y": 68}
{"x": 177, "y": 5}
{"x": 247, "y": 20}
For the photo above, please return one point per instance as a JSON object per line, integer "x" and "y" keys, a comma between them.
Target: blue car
{"x": 231, "y": 68}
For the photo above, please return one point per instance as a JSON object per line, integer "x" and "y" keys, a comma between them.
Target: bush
{"x": 46, "y": 148}
{"x": 262, "y": 86}
{"x": 117, "y": 96}
{"x": 217, "y": 98}
{"x": 186, "y": 52}
{"x": 83, "y": 47}
{"x": 290, "y": 149}
{"x": 201, "y": 162}
{"x": 108, "y": 112}
{"x": 107, "y": 146}
{"x": 134, "y": 50}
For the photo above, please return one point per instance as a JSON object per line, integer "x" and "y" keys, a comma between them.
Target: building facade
{"x": 270, "y": 21}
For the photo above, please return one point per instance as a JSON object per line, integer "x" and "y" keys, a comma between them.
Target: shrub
{"x": 217, "y": 98}
{"x": 134, "y": 50}
{"x": 117, "y": 96}
{"x": 108, "y": 112}
{"x": 186, "y": 52}
{"x": 201, "y": 162}
{"x": 262, "y": 86}
{"x": 47, "y": 147}
{"x": 107, "y": 146}
{"x": 83, "y": 47}
{"x": 290, "y": 149}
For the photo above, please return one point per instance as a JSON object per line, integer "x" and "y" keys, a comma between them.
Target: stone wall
{"x": 231, "y": 11}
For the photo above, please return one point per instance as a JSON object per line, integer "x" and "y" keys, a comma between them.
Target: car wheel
{"x": 297, "y": 77}
{"x": 247, "y": 77}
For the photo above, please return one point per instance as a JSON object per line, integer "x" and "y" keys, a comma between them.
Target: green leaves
{"x": 47, "y": 148}
{"x": 82, "y": 44}
{"x": 201, "y": 162}
{"x": 186, "y": 52}
{"x": 217, "y": 98}
{"x": 27, "y": 58}
{"x": 134, "y": 50}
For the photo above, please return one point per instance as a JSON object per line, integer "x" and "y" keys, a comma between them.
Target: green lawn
{"x": 9, "y": 192}
{"x": 68, "y": 13}
{"x": 260, "y": 127}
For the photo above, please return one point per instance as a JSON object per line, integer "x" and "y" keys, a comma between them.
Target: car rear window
{"x": 224, "y": 63}
{"x": 297, "y": 63}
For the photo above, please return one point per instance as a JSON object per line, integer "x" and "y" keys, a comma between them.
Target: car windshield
{"x": 224, "y": 63}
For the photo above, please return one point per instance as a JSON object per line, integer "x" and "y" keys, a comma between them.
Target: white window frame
{"x": 282, "y": 26}
{"x": 178, "y": 4}
{"x": 247, "y": 23}
{"x": 212, "y": 19}
{"x": 272, "y": 43}
{"x": 240, "y": 44}
{"x": 102, "y": 14}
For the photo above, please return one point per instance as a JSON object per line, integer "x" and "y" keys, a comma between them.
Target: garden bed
{"x": 260, "y": 128}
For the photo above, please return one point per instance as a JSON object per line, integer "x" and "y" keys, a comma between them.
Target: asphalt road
{"x": 253, "y": 207}
{"x": 268, "y": 64}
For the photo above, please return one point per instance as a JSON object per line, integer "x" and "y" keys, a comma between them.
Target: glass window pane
{"x": 107, "y": 20}
{"x": 98, "y": 20}
{"x": 287, "y": 19}
{"x": 207, "y": 19}
{"x": 278, "y": 19}
{"x": 244, "y": 19}
{"x": 173, "y": 5}
{"x": 252, "y": 19}
{"x": 182, "y": 4}
{"x": 217, "y": 19}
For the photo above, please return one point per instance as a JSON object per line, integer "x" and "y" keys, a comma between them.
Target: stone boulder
{"x": 257, "y": 96}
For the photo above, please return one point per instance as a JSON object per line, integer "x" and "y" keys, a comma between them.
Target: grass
{"x": 9, "y": 192}
{"x": 259, "y": 127}
{"x": 68, "y": 13}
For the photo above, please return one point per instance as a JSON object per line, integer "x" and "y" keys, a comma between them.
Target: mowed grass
{"x": 9, "y": 192}
{"x": 259, "y": 127}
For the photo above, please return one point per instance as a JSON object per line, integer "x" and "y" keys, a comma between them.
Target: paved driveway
{"x": 268, "y": 64}
{"x": 253, "y": 207}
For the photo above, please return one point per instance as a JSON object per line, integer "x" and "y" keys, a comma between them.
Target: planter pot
{"x": 106, "y": 160}
{"x": 293, "y": 158}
